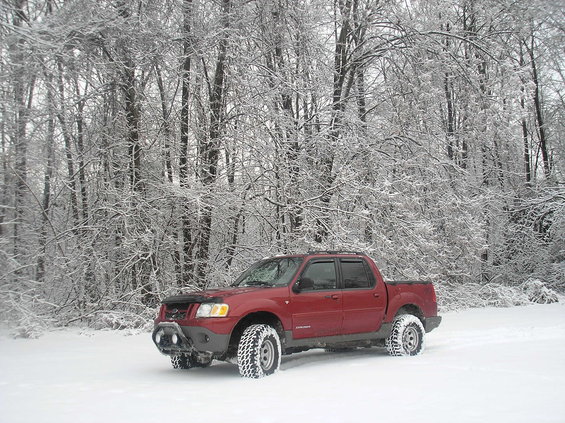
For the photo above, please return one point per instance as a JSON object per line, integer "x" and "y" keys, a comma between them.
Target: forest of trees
{"x": 149, "y": 146}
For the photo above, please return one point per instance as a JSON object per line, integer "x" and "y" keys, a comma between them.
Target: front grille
{"x": 175, "y": 315}
{"x": 177, "y": 311}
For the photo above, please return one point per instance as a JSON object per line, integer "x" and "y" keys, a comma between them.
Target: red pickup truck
{"x": 281, "y": 305}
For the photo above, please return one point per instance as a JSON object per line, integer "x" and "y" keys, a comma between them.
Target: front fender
{"x": 277, "y": 307}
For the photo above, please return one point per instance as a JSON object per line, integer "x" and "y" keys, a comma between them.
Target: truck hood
{"x": 210, "y": 295}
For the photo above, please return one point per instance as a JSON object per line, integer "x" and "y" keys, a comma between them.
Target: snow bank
{"x": 453, "y": 297}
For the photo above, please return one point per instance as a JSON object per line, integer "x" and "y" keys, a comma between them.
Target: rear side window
{"x": 356, "y": 274}
{"x": 319, "y": 275}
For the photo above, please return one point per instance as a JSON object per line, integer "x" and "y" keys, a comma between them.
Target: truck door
{"x": 317, "y": 308}
{"x": 364, "y": 303}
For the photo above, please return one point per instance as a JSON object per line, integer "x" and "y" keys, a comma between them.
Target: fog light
{"x": 175, "y": 338}
{"x": 158, "y": 336}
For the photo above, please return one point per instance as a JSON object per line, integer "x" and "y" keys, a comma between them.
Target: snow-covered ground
{"x": 481, "y": 365}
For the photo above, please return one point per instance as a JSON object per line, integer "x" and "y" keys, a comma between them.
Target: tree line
{"x": 151, "y": 146}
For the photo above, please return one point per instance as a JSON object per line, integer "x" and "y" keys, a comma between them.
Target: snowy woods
{"x": 154, "y": 145}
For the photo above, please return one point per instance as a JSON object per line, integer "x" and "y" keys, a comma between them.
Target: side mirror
{"x": 303, "y": 284}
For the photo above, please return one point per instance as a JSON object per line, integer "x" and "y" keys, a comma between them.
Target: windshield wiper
{"x": 257, "y": 283}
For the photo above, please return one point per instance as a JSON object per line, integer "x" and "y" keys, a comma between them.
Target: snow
{"x": 480, "y": 365}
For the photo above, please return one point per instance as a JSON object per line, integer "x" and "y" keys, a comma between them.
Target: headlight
{"x": 212, "y": 310}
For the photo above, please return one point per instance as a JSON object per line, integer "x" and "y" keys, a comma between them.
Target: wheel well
{"x": 260, "y": 317}
{"x": 412, "y": 309}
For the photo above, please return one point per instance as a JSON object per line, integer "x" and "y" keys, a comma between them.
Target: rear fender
{"x": 408, "y": 302}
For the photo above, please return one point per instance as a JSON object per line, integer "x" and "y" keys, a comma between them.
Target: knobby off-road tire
{"x": 182, "y": 361}
{"x": 259, "y": 351}
{"x": 406, "y": 336}
{"x": 185, "y": 361}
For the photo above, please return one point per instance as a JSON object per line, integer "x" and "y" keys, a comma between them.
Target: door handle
{"x": 333, "y": 297}
{"x": 376, "y": 295}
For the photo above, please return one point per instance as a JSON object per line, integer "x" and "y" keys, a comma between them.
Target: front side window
{"x": 271, "y": 272}
{"x": 319, "y": 275}
{"x": 356, "y": 274}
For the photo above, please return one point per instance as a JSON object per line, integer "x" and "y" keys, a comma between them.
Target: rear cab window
{"x": 356, "y": 274}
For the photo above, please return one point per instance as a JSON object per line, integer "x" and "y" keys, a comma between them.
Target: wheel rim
{"x": 267, "y": 354}
{"x": 410, "y": 339}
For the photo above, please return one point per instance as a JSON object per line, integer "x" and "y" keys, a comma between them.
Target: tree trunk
{"x": 538, "y": 108}
{"x": 176, "y": 256}
{"x": 46, "y": 201}
{"x": 67, "y": 137}
{"x": 527, "y": 159}
{"x": 343, "y": 67}
{"x": 5, "y": 175}
{"x": 210, "y": 148}
{"x": 325, "y": 165}
{"x": 166, "y": 125}
{"x": 187, "y": 212}
{"x": 132, "y": 119}
{"x": 81, "y": 152}
{"x": 22, "y": 100}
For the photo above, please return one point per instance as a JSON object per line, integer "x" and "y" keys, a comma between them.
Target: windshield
{"x": 270, "y": 272}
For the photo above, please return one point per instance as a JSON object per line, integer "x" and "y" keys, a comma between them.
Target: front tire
{"x": 259, "y": 351}
{"x": 185, "y": 361}
{"x": 182, "y": 361}
{"x": 406, "y": 336}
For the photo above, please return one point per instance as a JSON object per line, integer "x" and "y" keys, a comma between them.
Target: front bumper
{"x": 173, "y": 339}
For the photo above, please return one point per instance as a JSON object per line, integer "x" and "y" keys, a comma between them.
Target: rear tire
{"x": 259, "y": 351}
{"x": 406, "y": 336}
